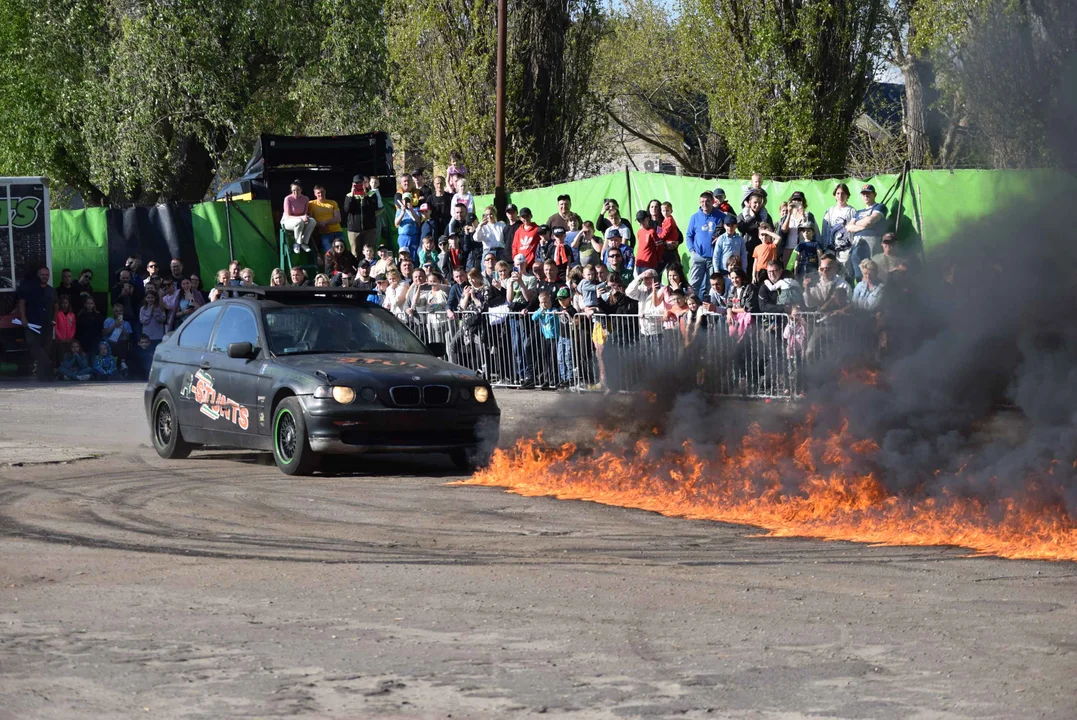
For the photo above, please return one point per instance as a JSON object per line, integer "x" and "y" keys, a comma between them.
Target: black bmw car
{"x": 302, "y": 372}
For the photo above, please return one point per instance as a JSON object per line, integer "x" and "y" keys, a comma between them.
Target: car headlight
{"x": 340, "y": 393}
{"x": 343, "y": 395}
{"x": 482, "y": 394}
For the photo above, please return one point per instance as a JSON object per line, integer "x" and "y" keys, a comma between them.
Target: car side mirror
{"x": 436, "y": 348}
{"x": 241, "y": 350}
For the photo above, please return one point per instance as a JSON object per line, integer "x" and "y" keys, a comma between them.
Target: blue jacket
{"x": 726, "y": 246}
{"x": 700, "y": 233}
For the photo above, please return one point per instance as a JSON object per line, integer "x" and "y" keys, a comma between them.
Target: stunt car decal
{"x": 376, "y": 361}
{"x": 216, "y": 405}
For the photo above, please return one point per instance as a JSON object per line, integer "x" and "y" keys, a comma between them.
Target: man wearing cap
{"x": 729, "y": 244}
{"x": 526, "y": 240}
{"x": 564, "y": 211}
{"x": 361, "y": 210}
{"x": 869, "y": 224}
{"x": 377, "y": 293}
{"x": 560, "y": 252}
{"x": 699, "y": 236}
{"x": 363, "y": 280}
{"x": 615, "y": 244}
{"x": 890, "y": 259}
{"x": 512, "y": 224}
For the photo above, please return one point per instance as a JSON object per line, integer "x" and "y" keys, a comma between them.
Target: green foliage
{"x": 442, "y": 91}
{"x": 135, "y": 102}
{"x": 785, "y": 78}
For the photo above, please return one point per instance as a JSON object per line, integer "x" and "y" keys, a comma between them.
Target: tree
{"x": 443, "y": 77}
{"x": 140, "y": 102}
{"x": 996, "y": 68}
{"x": 643, "y": 77}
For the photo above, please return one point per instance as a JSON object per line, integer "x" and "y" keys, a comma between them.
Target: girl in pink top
{"x": 297, "y": 220}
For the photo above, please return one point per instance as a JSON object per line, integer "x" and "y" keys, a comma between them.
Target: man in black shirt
{"x": 513, "y": 224}
{"x": 37, "y": 309}
{"x": 361, "y": 209}
{"x": 68, "y": 289}
{"x": 176, "y": 266}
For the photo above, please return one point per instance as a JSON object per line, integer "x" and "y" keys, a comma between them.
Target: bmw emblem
{"x": 416, "y": 378}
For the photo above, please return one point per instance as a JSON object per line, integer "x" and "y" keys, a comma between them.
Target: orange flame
{"x": 792, "y": 485}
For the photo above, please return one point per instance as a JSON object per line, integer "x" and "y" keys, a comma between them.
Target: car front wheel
{"x": 167, "y": 436}
{"x": 291, "y": 447}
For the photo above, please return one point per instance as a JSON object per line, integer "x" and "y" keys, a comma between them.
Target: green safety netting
{"x": 934, "y": 205}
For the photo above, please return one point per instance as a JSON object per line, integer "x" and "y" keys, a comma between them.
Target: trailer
{"x": 25, "y": 245}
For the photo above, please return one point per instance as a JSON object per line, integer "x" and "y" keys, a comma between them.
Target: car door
{"x": 234, "y": 381}
{"x": 191, "y": 347}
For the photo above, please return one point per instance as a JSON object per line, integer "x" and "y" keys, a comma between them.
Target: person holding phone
{"x": 407, "y": 225}
{"x": 361, "y": 210}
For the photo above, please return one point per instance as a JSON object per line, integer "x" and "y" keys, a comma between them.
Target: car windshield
{"x": 337, "y": 329}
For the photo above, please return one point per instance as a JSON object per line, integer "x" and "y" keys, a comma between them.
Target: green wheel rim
{"x": 285, "y": 436}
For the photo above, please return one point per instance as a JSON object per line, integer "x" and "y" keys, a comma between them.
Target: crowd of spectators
{"x": 527, "y": 303}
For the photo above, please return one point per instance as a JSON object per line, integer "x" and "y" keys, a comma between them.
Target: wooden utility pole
{"x": 500, "y": 198}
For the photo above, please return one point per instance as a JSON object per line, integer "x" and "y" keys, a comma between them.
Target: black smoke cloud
{"x": 977, "y": 393}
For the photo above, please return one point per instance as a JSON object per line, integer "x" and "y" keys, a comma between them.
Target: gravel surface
{"x": 219, "y": 588}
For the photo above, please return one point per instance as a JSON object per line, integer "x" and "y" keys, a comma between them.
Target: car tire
{"x": 469, "y": 459}
{"x": 165, "y": 428}
{"x": 291, "y": 447}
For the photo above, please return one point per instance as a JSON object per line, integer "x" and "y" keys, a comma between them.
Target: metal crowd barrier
{"x": 764, "y": 356}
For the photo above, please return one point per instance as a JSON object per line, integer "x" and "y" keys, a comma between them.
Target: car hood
{"x": 378, "y": 368}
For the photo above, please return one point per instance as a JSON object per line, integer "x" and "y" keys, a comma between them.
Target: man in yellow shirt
{"x": 326, "y": 214}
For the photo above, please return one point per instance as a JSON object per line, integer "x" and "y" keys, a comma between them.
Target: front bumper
{"x": 357, "y": 428}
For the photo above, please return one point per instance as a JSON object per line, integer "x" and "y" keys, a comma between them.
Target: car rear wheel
{"x": 291, "y": 447}
{"x": 469, "y": 459}
{"x": 167, "y": 436}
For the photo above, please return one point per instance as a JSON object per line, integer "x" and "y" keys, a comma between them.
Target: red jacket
{"x": 525, "y": 243}
{"x": 65, "y": 326}
{"x": 669, "y": 233}
{"x": 648, "y": 253}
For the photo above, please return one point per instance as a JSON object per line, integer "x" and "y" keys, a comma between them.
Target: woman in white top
{"x": 837, "y": 217}
{"x": 491, "y": 233}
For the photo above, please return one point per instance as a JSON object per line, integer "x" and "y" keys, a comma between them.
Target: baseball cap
{"x": 384, "y": 247}
{"x": 357, "y": 179}
{"x": 525, "y": 212}
{"x": 718, "y": 192}
{"x": 563, "y": 293}
{"x": 510, "y": 208}
{"x": 797, "y": 196}
{"x": 612, "y": 232}
{"x": 364, "y": 264}
{"x": 544, "y": 229}
{"x": 381, "y": 278}
{"x": 867, "y": 188}
{"x": 729, "y": 219}
{"x": 404, "y": 251}
{"x": 520, "y": 257}
{"x": 558, "y": 231}
{"x": 424, "y": 206}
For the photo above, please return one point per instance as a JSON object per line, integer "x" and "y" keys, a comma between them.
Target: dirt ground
{"x": 219, "y": 588}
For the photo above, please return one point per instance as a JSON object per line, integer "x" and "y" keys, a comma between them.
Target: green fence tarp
{"x": 935, "y": 205}
{"x": 80, "y": 242}
{"x": 252, "y": 250}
